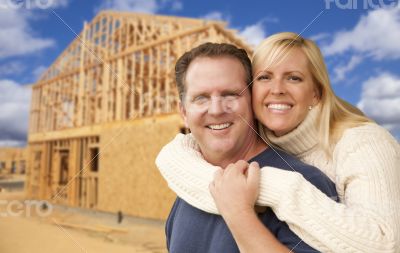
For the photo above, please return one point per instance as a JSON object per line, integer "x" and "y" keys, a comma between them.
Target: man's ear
{"x": 182, "y": 111}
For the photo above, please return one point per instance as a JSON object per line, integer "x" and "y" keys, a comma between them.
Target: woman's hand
{"x": 235, "y": 189}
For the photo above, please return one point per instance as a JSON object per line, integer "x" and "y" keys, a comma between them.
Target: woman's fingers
{"x": 253, "y": 174}
{"x": 218, "y": 173}
{"x": 235, "y": 188}
{"x": 240, "y": 167}
{"x": 217, "y": 177}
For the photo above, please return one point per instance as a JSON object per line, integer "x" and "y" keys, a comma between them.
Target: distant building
{"x": 12, "y": 160}
{"x": 106, "y": 106}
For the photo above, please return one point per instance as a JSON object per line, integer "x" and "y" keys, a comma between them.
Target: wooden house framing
{"x": 12, "y": 161}
{"x": 104, "y": 108}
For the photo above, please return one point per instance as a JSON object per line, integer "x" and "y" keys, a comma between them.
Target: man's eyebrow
{"x": 196, "y": 94}
{"x": 232, "y": 91}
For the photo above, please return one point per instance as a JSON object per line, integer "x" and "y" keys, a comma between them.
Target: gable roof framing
{"x": 120, "y": 67}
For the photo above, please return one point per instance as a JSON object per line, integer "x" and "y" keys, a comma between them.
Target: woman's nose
{"x": 278, "y": 87}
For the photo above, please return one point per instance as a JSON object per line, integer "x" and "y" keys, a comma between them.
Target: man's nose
{"x": 216, "y": 106}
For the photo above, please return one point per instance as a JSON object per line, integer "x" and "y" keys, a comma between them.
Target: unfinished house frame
{"x": 12, "y": 161}
{"x": 103, "y": 110}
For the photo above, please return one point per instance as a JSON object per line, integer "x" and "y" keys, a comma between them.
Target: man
{"x": 216, "y": 106}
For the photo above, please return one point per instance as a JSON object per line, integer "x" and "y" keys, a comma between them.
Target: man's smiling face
{"x": 217, "y": 105}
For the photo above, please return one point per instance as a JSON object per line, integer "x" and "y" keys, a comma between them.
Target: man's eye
{"x": 199, "y": 99}
{"x": 231, "y": 95}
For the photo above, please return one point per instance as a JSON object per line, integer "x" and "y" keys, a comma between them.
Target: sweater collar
{"x": 301, "y": 139}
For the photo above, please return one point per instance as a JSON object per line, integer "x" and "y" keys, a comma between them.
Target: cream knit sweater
{"x": 365, "y": 168}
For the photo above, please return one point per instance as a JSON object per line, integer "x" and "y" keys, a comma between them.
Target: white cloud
{"x": 176, "y": 5}
{"x": 319, "y": 36}
{"x": 144, "y": 6}
{"x": 14, "y": 112}
{"x": 45, "y": 4}
{"x": 270, "y": 19}
{"x": 59, "y": 3}
{"x": 216, "y": 15}
{"x": 375, "y": 35}
{"x": 37, "y": 72}
{"x": 341, "y": 70}
{"x": 16, "y": 35}
{"x": 380, "y": 100}
{"x": 33, "y": 4}
{"x": 253, "y": 34}
{"x": 12, "y": 143}
{"x": 11, "y": 68}
{"x": 394, "y": 128}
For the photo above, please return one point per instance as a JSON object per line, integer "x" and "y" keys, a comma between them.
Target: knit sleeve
{"x": 366, "y": 220}
{"x": 367, "y": 161}
{"x": 187, "y": 173}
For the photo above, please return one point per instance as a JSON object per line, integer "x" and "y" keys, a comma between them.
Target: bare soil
{"x": 73, "y": 230}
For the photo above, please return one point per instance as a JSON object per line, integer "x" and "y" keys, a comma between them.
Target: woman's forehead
{"x": 288, "y": 61}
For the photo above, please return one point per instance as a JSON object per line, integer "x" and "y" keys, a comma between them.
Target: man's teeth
{"x": 279, "y": 106}
{"x": 219, "y": 126}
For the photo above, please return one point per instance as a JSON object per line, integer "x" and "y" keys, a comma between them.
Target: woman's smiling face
{"x": 282, "y": 94}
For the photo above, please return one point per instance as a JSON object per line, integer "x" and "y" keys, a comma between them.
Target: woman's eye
{"x": 295, "y": 78}
{"x": 263, "y": 77}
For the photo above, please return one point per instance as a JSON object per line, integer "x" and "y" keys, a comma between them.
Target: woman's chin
{"x": 279, "y": 133}
{"x": 278, "y": 129}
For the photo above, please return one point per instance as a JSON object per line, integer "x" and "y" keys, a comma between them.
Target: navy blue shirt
{"x": 190, "y": 230}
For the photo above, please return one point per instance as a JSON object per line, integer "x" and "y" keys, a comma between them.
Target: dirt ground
{"x": 63, "y": 229}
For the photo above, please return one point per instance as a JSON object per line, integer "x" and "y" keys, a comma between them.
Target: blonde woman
{"x": 299, "y": 113}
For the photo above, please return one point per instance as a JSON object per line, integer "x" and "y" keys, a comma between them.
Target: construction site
{"x": 105, "y": 107}
{"x": 12, "y": 161}
{"x": 99, "y": 115}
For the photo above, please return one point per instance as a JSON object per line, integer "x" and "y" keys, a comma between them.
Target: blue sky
{"x": 359, "y": 40}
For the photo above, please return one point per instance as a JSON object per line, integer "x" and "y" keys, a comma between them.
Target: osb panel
{"x": 128, "y": 178}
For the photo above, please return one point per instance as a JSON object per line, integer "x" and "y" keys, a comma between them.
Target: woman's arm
{"x": 187, "y": 173}
{"x": 235, "y": 195}
{"x": 367, "y": 220}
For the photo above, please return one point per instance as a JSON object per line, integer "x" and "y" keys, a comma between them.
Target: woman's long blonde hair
{"x": 336, "y": 115}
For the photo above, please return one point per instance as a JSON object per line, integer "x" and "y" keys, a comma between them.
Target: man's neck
{"x": 255, "y": 146}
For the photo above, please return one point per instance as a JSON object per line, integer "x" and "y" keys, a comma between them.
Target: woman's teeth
{"x": 279, "y": 106}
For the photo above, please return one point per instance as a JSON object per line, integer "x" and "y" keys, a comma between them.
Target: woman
{"x": 299, "y": 112}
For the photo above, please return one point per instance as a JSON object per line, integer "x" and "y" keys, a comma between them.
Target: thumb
{"x": 254, "y": 174}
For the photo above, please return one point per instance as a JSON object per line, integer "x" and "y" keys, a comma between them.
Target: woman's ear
{"x": 316, "y": 96}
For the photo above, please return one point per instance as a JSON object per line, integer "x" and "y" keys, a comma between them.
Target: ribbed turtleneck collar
{"x": 301, "y": 139}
